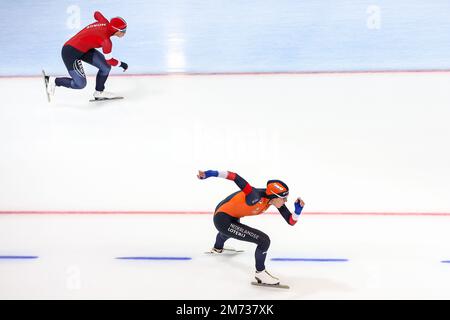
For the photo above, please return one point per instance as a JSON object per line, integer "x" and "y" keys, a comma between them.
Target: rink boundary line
{"x": 281, "y": 73}
{"x": 18, "y": 257}
{"x": 361, "y": 213}
{"x": 310, "y": 259}
{"x": 274, "y": 73}
{"x": 159, "y": 258}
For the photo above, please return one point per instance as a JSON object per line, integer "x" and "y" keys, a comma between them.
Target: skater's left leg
{"x": 71, "y": 58}
{"x": 97, "y": 59}
{"x": 78, "y": 80}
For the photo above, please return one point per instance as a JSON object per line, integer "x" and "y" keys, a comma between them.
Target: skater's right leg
{"x": 97, "y": 59}
{"x": 71, "y": 58}
{"x": 230, "y": 227}
{"x": 220, "y": 241}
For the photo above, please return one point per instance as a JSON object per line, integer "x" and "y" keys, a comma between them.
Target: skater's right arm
{"x": 241, "y": 183}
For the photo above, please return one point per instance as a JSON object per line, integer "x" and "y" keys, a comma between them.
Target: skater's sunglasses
{"x": 284, "y": 195}
{"x": 121, "y": 30}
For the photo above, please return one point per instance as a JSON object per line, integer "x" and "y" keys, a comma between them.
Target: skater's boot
{"x": 104, "y": 95}
{"x": 266, "y": 278}
{"x": 50, "y": 85}
{"x": 225, "y": 250}
{"x": 216, "y": 251}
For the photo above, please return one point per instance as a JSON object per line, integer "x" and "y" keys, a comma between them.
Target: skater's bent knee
{"x": 105, "y": 68}
{"x": 264, "y": 242}
{"x": 79, "y": 84}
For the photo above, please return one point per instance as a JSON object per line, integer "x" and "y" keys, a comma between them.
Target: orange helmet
{"x": 276, "y": 189}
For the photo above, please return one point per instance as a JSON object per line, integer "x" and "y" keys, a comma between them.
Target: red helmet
{"x": 276, "y": 189}
{"x": 118, "y": 24}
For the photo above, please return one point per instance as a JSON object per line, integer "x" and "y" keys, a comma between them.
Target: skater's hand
{"x": 124, "y": 66}
{"x": 206, "y": 174}
{"x": 299, "y": 204}
{"x": 201, "y": 175}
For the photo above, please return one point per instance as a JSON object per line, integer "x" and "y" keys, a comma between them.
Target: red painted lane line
{"x": 249, "y": 73}
{"x": 35, "y": 212}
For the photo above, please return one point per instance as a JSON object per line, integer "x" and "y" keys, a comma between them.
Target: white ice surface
{"x": 361, "y": 143}
{"x": 389, "y": 258}
{"x": 354, "y": 142}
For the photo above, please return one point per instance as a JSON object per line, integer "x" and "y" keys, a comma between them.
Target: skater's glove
{"x": 124, "y": 66}
{"x": 206, "y": 174}
{"x": 299, "y": 204}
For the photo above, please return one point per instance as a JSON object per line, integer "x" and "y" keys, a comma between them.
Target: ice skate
{"x": 224, "y": 251}
{"x": 265, "y": 279}
{"x": 215, "y": 251}
{"x": 49, "y": 83}
{"x": 105, "y": 95}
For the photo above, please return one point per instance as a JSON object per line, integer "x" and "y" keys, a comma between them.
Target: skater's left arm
{"x": 291, "y": 218}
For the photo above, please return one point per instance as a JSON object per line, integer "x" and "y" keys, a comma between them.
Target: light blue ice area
{"x": 236, "y": 36}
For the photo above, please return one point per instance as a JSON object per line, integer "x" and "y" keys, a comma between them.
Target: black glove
{"x": 124, "y": 66}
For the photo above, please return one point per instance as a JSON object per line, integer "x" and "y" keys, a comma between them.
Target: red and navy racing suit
{"x": 81, "y": 47}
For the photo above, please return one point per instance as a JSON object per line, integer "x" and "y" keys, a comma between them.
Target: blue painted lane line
{"x": 310, "y": 259}
{"x": 17, "y": 257}
{"x": 154, "y": 258}
{"x": 445, "y": 261}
